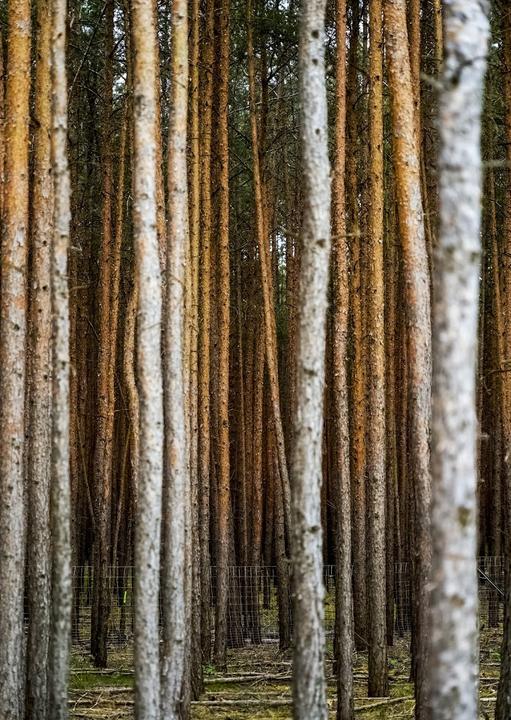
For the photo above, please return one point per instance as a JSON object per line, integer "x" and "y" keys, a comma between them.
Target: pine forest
{"x": 255, "y": 359}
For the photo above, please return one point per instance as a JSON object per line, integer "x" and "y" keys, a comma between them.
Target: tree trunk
{"x": 417, "y": 299}
{"x": 104, "y": 419}
{"x": 453, "y": 677}
{"x": 196, "y": 683}
{"x": 504, "y": 694}
{"x": 340, "y": 409}
{"x": 204, "y": 329}
{"x": 267, "y": 283}
{"x": 60, "y": 646}
{"x": 131, "y": 387}
{"x": 39, "y": 440}
{"x": 376, "y": 460}
{"x": 223, "y": 297}
{"x": 148, "y": 279}
{"x": 177, "y": 486}
{"x": 357, "y": 434}
{"x": 309, "y": 693}
{"x": 13, "y": 322}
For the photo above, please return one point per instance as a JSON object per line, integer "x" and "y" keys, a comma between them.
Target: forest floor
{"x": 257, "y": 685}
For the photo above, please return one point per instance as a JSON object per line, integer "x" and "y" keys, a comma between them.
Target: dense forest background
{"x": 221, "y": 420}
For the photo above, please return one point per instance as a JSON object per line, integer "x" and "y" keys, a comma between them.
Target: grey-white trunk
{"x": 309, "y": 694}
{"x": 453, "y": 673}
{"x": 148, "y": 278}
{"x": 175, "y": 577}
{"x": 60, "y": 641}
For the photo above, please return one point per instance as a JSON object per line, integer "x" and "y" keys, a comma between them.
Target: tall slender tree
{"x": 223, "y": 299}
{"x": 204, "y": 320}
{"x": 270, "y": 328}
{"x": 60, "y": 456}
{"x": 340, "y": 283}
{"x": 148, "y": 279}
{"x": 39, "y": 374}
{"x": 418, "y": 319}
{"x": 503, "y": 273}
{"x": 376, "y": 486}
{"x": 453, "y": 672}
{"x": 103, "y": 450}
{"x": 308, "y": 667}
{"x": 13, "y": 326}
{"x": 177, "y": 487}
{"x": 195, "y": 211}
{"x": 267, "y": 280}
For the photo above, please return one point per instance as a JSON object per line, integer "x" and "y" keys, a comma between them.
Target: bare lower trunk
{"x": 177, "y": 487}
{"x": 39, "y": 449}
{"x": 341, "y": 471}
{"x": 60, "y": 485}
{"x": 417, "y": 298}
{"x": 204, "y": 439}
{"x": 376, "y": 489}
{"x": 503, "y": 279}
{"x": 13, "y": 323}
{"x": 267, "y": 281}
{"x": 453, "y": 677}
{"x": 104, "y": 420}
{"x": 223, "y": 298}
{"x": 309, "y": 693}
{"x": 148, "y": 278}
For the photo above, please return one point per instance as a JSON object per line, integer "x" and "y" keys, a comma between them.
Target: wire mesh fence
{"x": 253, "y": 607}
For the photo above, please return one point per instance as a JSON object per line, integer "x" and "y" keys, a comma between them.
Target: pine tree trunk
{"x": 453, "y": 677}
{"x": 357, "y": 379}
{"x": 376, "y": 452}
{"x": 131, "y": 388}
{"x": 267, "y": 281}
{"x": 309, "y": 693}
{"x": 177, "y": 486}
{"x": 204, "y": 329}
{"x": 223, "y": 300}
{"x": 39, "y": 441}
{"x": 104, "y": 419}
{"x": 60, "y": 485}
{"x": 196, "y": 683}
{"x": 148, "y": 279}
{"x": 341, "y": 470}
{"x": 417, "y": 298}
{"x": 504, "y": 694}
{"x": 13, "y": 324}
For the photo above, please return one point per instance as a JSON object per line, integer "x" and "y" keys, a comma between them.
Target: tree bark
{"x": 13, "y": 323}
{"x": 453, "y": 677}
{"x": 60, "y": 457}
{"x": 223, "y": 298}
{"x": 148, "y": 279}
{"x": 204, "y": 328}
{"x": 103, "y": 449}
{"x": 309, "y": 693}
{"x": 267, "y": 282}
{"x": 340, "y": 409}
{"x": 196, "y": 681}
{"x": 417, "y": 298}
{"x": 39, "y": 440}
{"x": 357, "y": 420}
{"x": 376, "y": 454}
{"x": 177, "y": 487}
{"x": 503, "y": 707}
